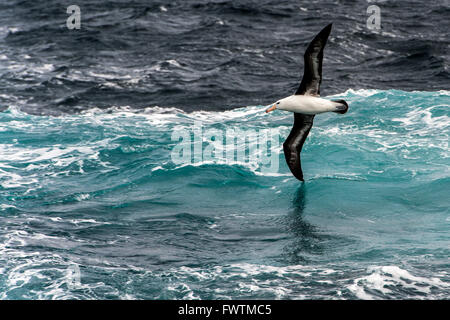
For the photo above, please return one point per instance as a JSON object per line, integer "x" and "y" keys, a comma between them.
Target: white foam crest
{"x": 5, "y": 206}
{"x": 57, "y": 153}
{"x": 253, "y": 166}
{"x": 27, "y": 68}
{"x": 340, "y": 176}
{"x": 83, "y": 196}
{"x": 382, "y": 282}
{"x": 158, "y": 67}
{"x": 418, "y": 117}
{"x": 87, "y": 221}
{"x": 12, "y": 175}
{"x": 23, "y": 269}
{"x": 43, "y": 68}
{"x": 14, "y": 180}
{"x": 238, "y": 113}
{"x": 243, "y": 270}
{"x": 108, "y": 76}
{"x": 385, "y": 279}
{"x": 357, "y": 92}
{"x": 251, "y": 279}
{"x": 418, "y": 136}
{"x": 164, "y": 115}
{"x": 444, "y": 92}
{"x": 35, "y": 269}
{"x": 183, "y": 288}
{"x": 13, "y": 110}
{"x": 154, "y": 116}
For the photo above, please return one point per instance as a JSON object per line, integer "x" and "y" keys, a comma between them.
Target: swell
{"x": 99, "y": 159}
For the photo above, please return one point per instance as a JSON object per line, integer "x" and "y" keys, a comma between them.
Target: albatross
{"x": 306, "y": 102}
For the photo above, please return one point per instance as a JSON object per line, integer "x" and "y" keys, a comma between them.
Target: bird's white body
{"x": 306, "y": 104}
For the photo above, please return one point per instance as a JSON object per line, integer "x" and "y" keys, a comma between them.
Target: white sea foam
{"x": 294, "y": 281}
{"x": 5, "y": 206}
{"x": 382, "y": 282}
{"x": 4, "y": 30}
{"x": 251, "y": 279}
{"x": 44, "y": 68}
{"x": 23, "y": 269}
{"x": 420, "y": 117}
{"x": 358, "y": 92}
{"x": 57, "y": 153}
{"x": 83, "y": 196}
{"x": 14, "y": 180}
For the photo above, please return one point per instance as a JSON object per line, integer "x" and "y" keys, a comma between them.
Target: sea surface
{"x": 93, "y": 205}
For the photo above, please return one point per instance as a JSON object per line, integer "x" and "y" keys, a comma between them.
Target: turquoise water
{"x": 98, "y": 191}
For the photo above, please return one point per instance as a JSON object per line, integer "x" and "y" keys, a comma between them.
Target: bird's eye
{"x": 278, "y": 103}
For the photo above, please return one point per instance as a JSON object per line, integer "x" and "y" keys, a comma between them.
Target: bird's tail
{"x": 341, "y": 106}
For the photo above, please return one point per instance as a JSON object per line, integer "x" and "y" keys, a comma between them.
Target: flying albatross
{"x": 306, "y": 103}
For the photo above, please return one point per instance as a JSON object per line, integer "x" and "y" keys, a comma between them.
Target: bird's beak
{"x": 271, "y": 108}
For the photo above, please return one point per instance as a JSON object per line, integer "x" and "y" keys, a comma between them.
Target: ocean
{"x": 115, "y": 176}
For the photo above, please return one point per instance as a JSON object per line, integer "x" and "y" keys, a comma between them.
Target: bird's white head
{"x": 280, "y": 104}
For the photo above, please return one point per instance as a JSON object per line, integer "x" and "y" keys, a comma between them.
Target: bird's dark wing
{"x": 312, "y": 75}
{"x": 294, "y": 143}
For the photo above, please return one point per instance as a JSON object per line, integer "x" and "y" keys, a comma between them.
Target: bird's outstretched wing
{"x": 312, "y": 75}
{"x": 310, "y": 85}
{"x": 294, "y": 143}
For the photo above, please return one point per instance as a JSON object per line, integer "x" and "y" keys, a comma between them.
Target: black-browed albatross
{"x": 305, "y": 103}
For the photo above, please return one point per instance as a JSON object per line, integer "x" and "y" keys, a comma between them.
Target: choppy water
{"x": 94, "y": 187}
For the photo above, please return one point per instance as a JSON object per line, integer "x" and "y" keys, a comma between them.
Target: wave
{"x": 294, "y": 282}
{"x": 394, "y": 127}
{"x": 385, "y": 282}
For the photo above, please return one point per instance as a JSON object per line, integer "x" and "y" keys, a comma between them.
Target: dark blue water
{"x": 93, "y": 205}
